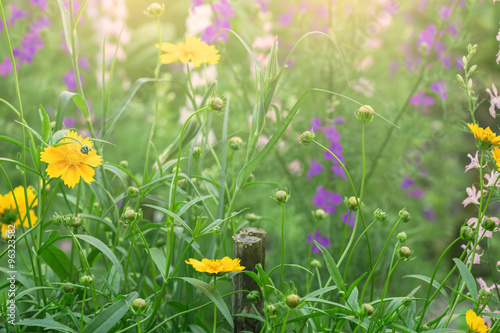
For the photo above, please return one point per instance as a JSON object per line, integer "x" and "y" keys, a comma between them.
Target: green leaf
{"x": 266, "y": 285}
{"x": 321, "y": 291}
{"x": 174, "y": 216}
{"x": 211, "y": 293}
{"x": 60, "y": 263}
{"x": 435, "y": 284}
{"x": 27, "y": 291}
{"x": 47, "y": 324}
{"x": 24, "y": 166}
{"x": 107, "y": 319}
{"x": 66, "y": 26}
{"x": 45, "y": 123}
{"x": 64, "y": 99}
{"x": 468, "y": 278}
{"x": 159, "y": 260}
{"x": 332, "y": 268}
{"x": 105, "y": 250}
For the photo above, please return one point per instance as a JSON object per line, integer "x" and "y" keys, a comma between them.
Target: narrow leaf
{"x": 332, "y": 267}
{"x": 467, "y": 277}
{"x": 105, "y": 250}
{"x": 107, "y": 319}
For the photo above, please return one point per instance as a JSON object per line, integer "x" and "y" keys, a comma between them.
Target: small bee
{"x": 85, "y": 149}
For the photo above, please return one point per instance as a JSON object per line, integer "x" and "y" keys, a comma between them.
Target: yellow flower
{"x": 496, "y": 156}
{"x": 71, "y": 159}
{"x": 475, "y": 323}
{"x": 486, "y": 137}
{"x": 215, "y": 266}
{"x": 192, "y": 50}
{"x": 10, "y": 212}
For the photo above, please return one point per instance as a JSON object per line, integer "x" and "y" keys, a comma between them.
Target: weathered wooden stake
{"x": 249, "y": 245}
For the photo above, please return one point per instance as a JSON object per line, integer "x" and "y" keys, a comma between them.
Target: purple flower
{"x": 415, "y": 193}
{"x": 331, "y": 134}
{"x": 327, "y": 200}
{"x": 440, "y": 88}
{"x": 285, "y": 19}
{"x": 196, "y": 3}
{"x": 70, "y": 80}
{"x": 322, "y": 240}
{"x": 42, "y": 4}
{"x": 351, "y": 219}
{"x": 223, "y": 9}
{"x": 5, "y": 66}
{"x": 69, "y": 122}
{"x": 315, "y": 168}
{"x": 407, "y": 182}
{"x": 445, "y": 12}
{"x": 315, "y": 124}
{"x": 335, "y": 148}
{"x": 420, "y": 99}
{"x": 338, "y": 171}
{"x": 338, "y": 120}
{"x": 210, "y": 32}
{"x": 426, "y": 37}
{"x": 429, "y": 214}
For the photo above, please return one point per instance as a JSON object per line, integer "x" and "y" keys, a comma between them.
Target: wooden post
{"x": 249, "y": 245}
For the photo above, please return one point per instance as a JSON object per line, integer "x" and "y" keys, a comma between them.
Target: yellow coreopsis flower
{"x": 475, "y": 323}
{"x": 15, "y": 214}
{"x": 71, "y": 159}
{"x": 192, "y": 50}
{"x": 486, "y": 137}
{"x": 216, "y": 266}
{"x": 496, "y": 156}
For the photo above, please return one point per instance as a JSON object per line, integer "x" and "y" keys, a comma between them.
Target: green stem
{"x": 215, "y": 307}
{"x": 378, "y": 260}
{"x": 282, "y": 246}
{"x": 83, "y": 308}
{"x": 354, "y": 247}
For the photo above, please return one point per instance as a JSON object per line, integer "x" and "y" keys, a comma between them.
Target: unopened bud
{"x": 402, "y": 237}
{"x": 216, "y": 230}
{"x": 124, "y": 164}
{"x": 380, "y": 215}
{"x": 216, "y": 104}
{"x": 367, "y": 309}
{"x": 307, "y": 137}
{"x": 489, "y": 224}
{"x": 251, "y": 217}
{"x": 235, "y": 143}
{"x": 253, "y": 296}
{"x": 133, "y": 191}
{"x": 139, "y": 305}
{"x": 129, "y": 215}
{"x": 155, "y": 10}
{"x": 292, "y": 301}
{"x": 404, "y": 215}
{"x": 320, "y": 214}
{"x": 86, "y": 280}
{"x": 404, "y": 252}
{"x": 270, "y": 309}
{"x": 281, "y": 197}
{"x": 352, "y": 203}
{"x": 76, "y": 221}
{"x": 315, "y": 263}
{"x": 197, "y": 152}
{"x": 466, "y": 233}
{"x": 68, "y": 288}
{"x": 365, "y": 113}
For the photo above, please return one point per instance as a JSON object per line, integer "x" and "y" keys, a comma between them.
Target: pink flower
{"x": 494, "y": 99}
{"x": 477, "y": 256}
{"x": 474, "y": 196}
{"x": 474, "y": 162}
{"x": 491, "y": 178}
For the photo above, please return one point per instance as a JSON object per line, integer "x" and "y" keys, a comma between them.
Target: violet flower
{"x": 421, "y": 100}
{"x": 327, "y": 200}
{"x": 351, "y": 219}
{"x": 315, "y": 168}
{"x": 440, "y": 89}
{"x": 322, "y": 240}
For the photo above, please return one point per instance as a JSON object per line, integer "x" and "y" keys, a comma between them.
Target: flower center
{"x": 9, "y": 216}
{"x": 73, "y": 157}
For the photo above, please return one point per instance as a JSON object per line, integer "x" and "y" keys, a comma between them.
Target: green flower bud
{"x": 316, "y": 264}
{"x": 129, "y": 215}
{"x": 216, "y": 230}
{"x": 404, "y": 215}
{"x": 174, "y": 169}
{"x": 68, "y": 288}
{"x": 86, "y": 280}
{"x": 139, "y": 305}
{"x": 85, "y": 149}
{"x": 292, "y": 301}
{"x": 406, "y": 301}
{"x": 380, "y": 215}
{"x": 404, "y": 252}
{"x": 133, "y": 191}
{"x": 155, "y": 10}
{"x": 466, "y": 233}
{"x": 365, "y": 113}
{"x": 341, "y": 293}
{"x": 216, "y": 104}
{"x": 197, "y": 152}
{"x": 253, "y": 296}
{"x": 251, "y": 217}
{"x": 270, "y": 309}
{"x": 76, "y": 221}
{"x": 280, "y": 196}
{"x": 235, "y": 143}
{"x": 489, "y": 224}
{"x": 319, "y": 214}
{"x": 124, "y": 164}
{"x": 251, "y": 178}
{"x": 307, "y": 137}
{"x": 483, "y": 293}
{"x": 402, "y": 237}
{"x": 352, "y": 203}
{"x": 367, "y": 309}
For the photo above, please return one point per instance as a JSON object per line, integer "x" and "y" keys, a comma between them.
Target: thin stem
{"x": 282, "y": 246}
{"x": 215, "y": 307}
